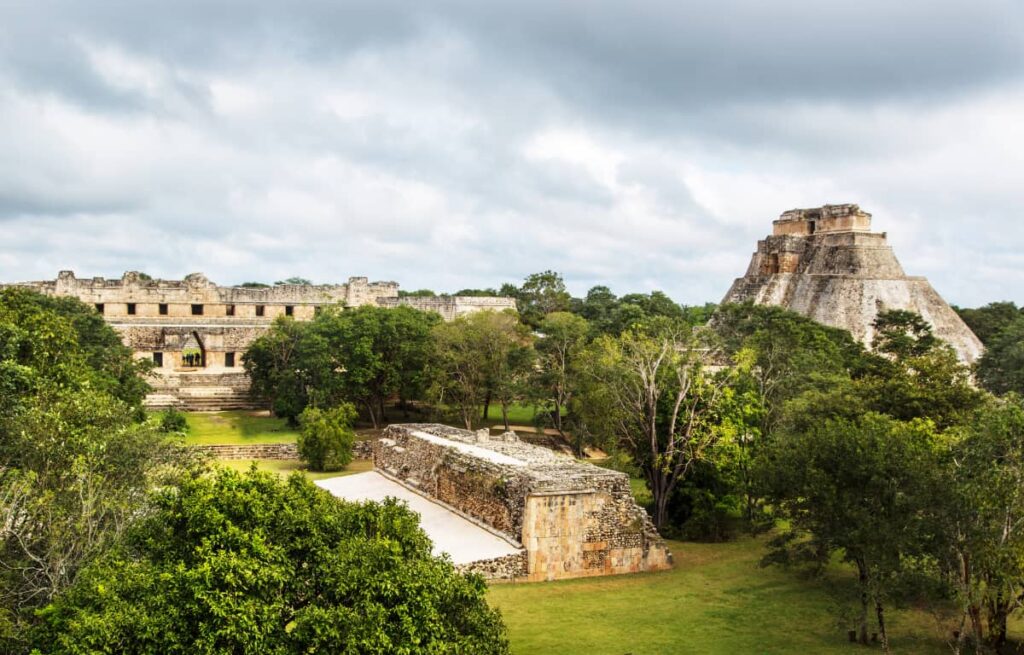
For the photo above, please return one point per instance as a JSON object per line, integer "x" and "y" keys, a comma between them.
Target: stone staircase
{"x": 213, "y": 391}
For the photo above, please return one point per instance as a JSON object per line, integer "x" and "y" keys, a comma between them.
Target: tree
{"x": 75, "y": 460}
{"x": 419, "y": 293}
{"x": 254, "y": 285}
{"x": 902, "y": 334}
{"x": 1001, "y": 368}
{"x": 857, "y": 488}
{"x": 325, "y": 442}
{"x": 301, "y": 281}
{"x": 557, "y": 377}
{"x": 249, "y": 563}
{"x": 278, "y": 365}
{"x": 659, "y": 400}
{"x": 365, "y": 356}
{"x": 979, "y": 504}
{"x": 541, "y": 294}
{"x": 478, "y": 358}
{"x": 988, "y": 321}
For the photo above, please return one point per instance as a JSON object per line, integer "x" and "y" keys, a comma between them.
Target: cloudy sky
{"x": 641, "y": 145}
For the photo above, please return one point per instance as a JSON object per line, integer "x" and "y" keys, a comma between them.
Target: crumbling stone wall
{"x": 573, "y": 519}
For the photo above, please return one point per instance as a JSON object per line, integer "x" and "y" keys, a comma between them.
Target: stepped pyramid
{"x": 827, "y": 264}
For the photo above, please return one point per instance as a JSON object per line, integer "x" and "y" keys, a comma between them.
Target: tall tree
{"x": 988, "y": 321}
{"x": 541, "y": 294}
{"x": 659, "y": 400}
{"x": 1001, "y": 368}
{"x": 559, "y": 349}
{"x": 480, "y": 357}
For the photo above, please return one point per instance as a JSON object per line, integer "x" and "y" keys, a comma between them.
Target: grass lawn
{"x": 517, "y": 414}
{"x": 237, "y": 427}
{"x": 285, "y": 467}
{"x": 717, "y": 600}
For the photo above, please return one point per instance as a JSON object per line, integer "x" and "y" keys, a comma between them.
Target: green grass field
{"x": 238, "y": 427}
{"x": 717, "y": 600}
{"x": 286, "y": 467}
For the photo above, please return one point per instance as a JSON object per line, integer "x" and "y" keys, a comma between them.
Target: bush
{"x": 250, "y": 563}
{"x": 173, "y": 420}
{"x": 325, "y": 442}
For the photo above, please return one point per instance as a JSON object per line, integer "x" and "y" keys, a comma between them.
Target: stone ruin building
{"x": 507, "y": 509}
{"x": 827, "y": 264}
{"x": 197, "y": 332}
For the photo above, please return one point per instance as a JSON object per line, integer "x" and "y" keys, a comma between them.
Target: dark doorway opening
{"x": 229, "y": 360}
{"x": 163, "y": 309}
{"x": 158, "y": 359}
{"x": 99, "y": 307}
{"x": 197, "y": 310}
{"x": 131, "y": 309}
{"x": 260, "y": 310}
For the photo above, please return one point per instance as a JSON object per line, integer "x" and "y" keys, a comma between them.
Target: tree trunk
{"x": 881, "y": 626}
{"x": 382, "y": 414}
{"x": 487, "y": 407}
{"x": 998, "y": 611}
{"x": 504, "y": 416}
{"x": 373, "y": 415}
{"x": 862, "y": 577}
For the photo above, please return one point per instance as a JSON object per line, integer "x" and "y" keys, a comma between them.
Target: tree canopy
{"x": 247, "y": 563}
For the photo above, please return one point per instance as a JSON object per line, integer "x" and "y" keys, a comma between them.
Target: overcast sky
{"x": 640, "y": 145}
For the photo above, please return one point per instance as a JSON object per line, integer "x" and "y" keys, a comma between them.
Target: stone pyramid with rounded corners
{"x": 827, "y": 264}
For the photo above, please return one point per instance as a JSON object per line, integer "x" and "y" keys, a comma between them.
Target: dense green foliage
{"x": 1001, "y": 368}
{"x": 76, "y": 458}
{"x": 988, "y": 321}
{"x": 365, "y": 356}
{"x": 247, "y": 563}
{"x": 173, "y": 421}
{"x": 325, "y": 442}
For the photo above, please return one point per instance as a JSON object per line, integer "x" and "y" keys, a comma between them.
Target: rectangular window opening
{"x": 260, "y": 309}
{"x": 197, "y": 310}
{"x": 229, "y": 310}
{"x": 289, "y": 310}
{"x": 131, "y": 309}
{"x": 158, "y": 359}
{"x": 163, "y": 309}
{"x": 229, "y": 360}
{"x": 99, "y": 307}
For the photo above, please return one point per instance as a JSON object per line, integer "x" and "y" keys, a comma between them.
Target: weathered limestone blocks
{"x": 573, "y": 519}
{"x": 826, "y": 264}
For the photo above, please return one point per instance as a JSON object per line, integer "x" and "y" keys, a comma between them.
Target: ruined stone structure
{"x": 196, "y": 332}
{"x": 827, "y": 264}
{"x": 570, "y": 519}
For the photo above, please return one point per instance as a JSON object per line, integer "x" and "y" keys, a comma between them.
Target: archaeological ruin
{"x": 827, "y": 264}
{"x": 509, "y": 510}
{"x": 197, "y": 332}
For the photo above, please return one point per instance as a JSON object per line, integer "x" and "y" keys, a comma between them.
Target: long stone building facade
{"x": 827, "y": 264}
{"x": 196, "y": 332}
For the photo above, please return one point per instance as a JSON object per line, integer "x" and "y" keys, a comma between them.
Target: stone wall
{"x": 251, "y": 451}
{"x": 574, "y": 519}
{"x": 451, "y": 307}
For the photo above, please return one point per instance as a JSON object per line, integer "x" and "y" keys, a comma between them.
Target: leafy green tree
{"x": 419, "y": 293}
{"x": 478, "y": 358}
{"x": 654, "y": 394}
{"x": 541, "y": 294}
{"x": 294, "y": 280}
{"x": 365, "y": 356}
{"x": 979, "y": 504}
{"x": 557, "y": 375}
{"x": 1001, "y": 368}
{"x": 903, "y": 334}
{"x": 856, "y": 488}
{"x": 75, "y": 460}
{"x": 326, "y": 440}
{"x": 278, "y": 364}
{"x": 248, "y": 563}
{"x": 988, "y": 321}
{"x": 478, "y": 293}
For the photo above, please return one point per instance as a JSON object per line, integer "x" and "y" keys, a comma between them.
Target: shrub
{"x": 325, "y": 442}
{"x": 173, "y": 420}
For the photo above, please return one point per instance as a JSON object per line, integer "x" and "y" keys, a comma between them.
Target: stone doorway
{"x": 193, "y": 355}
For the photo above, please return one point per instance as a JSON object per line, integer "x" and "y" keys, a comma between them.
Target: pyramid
{"x": 827, "y": 264}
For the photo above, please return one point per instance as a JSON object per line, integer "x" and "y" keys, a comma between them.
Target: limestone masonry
{"x": 571, "y": 519}
{"x": 827, "y": 264}
{"x": 197, "y": 332}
